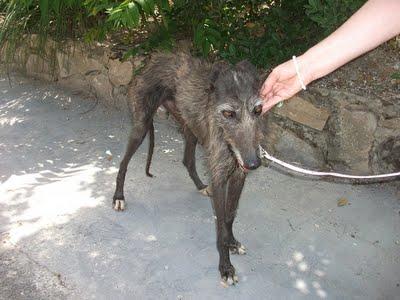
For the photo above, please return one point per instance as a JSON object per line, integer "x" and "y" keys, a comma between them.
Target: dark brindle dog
{"x": 217, "y": 106}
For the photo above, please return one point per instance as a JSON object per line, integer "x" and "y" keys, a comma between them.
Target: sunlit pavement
{"x": 61, "y": 239}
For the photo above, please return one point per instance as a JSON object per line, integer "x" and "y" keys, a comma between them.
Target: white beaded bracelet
{"x": 303, "y": 86}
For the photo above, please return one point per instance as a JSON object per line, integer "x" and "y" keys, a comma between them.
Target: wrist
{"x": 307, "y": 68}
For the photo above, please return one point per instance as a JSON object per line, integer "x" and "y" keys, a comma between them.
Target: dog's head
{"x": 237, "y": 108}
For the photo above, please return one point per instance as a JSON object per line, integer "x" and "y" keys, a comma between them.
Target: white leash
{"x": 265, "y": 154}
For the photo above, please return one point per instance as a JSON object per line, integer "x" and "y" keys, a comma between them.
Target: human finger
{"x": 272, "y": 78}
{"x": 271, "y": 103}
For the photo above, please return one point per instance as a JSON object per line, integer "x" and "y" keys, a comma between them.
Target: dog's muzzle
{"x": 247, "y": 162}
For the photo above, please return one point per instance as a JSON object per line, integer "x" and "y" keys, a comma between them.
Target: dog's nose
{"x": 253, "y": 164}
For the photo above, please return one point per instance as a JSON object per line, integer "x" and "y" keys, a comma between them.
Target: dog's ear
{"x": 246, "y": 67}
{"x": 217, "y": 68}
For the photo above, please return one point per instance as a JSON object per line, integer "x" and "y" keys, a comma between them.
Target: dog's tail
{"x": 150, "y": 150}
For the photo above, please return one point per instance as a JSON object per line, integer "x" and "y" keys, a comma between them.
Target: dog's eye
{"x": 229, "y": 114}
{"x": 257, "y": 110}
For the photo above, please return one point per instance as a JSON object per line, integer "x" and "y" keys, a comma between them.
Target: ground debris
{"x": 342, "y": 202}
{"x": 109, "y": 155}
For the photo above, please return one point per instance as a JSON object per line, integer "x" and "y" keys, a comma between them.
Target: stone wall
{"x": 321, "y": 129}
{"x": 336, "y": 130}
{"x": 77, "y": 66}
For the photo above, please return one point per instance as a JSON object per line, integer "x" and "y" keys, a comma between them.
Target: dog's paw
{"x": 228, "y": 281}
{"x": 119, "y": 205}
{"x": 237, "y": 248}
{"x": 206, "y": 191}
{"x": 228, "y": 276}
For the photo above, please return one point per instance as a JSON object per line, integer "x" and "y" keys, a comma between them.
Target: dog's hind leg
{"x": 235, "y": 187}
{"x": 144, "y": 104}
{"x": 138, "y": 133}
{"x": 150, "y": 150}
{"x": 189, "y": 158}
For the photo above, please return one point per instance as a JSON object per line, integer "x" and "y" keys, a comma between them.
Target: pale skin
{"x": 374, "y": 23}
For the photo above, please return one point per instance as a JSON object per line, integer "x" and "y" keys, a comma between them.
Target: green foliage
{"x": 121, "y": 14}
{"x": 55, "y": 17}
{"x": 330, "y": 14}
{"x": 264, "y": 31}
{"x": 207, "y": 37}
{"x": 132, "y": 15}
{"x": 395, "y": 75}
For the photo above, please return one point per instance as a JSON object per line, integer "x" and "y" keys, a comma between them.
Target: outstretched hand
{"x": 281, "y": 84}
{"x": 374, "y": 23}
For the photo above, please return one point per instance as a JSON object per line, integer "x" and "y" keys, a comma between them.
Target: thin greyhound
{"x": 217, "y": 106}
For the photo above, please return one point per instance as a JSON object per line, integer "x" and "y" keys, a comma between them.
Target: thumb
{"x": 271, "y": 103}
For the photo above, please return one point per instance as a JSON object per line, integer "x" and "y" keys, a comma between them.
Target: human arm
{"x": 374, "y": 23}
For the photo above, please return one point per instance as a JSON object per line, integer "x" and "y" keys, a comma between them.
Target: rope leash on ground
{"x": 265, "y": 154}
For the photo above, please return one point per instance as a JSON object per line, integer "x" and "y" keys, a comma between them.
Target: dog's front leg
{"x": 235, "y": 187}
{"x": 225, "y": 267}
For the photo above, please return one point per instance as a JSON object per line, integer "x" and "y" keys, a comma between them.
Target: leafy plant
{"x": 330, "y": 14}
{"x": 43, "y": 17}
{"x": 395, "y": 75}
{"x": 126, "y": 13}
{"x": 207, "y": 37}
{"x": 263, "y": 31}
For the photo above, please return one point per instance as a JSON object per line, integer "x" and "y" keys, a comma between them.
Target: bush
{"x": 265, "y": 32}
{"x": 330, "y": 14}
{"x": 58, "y": 18}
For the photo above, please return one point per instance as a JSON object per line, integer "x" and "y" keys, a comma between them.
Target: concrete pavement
{"x": 60, "y": 239}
